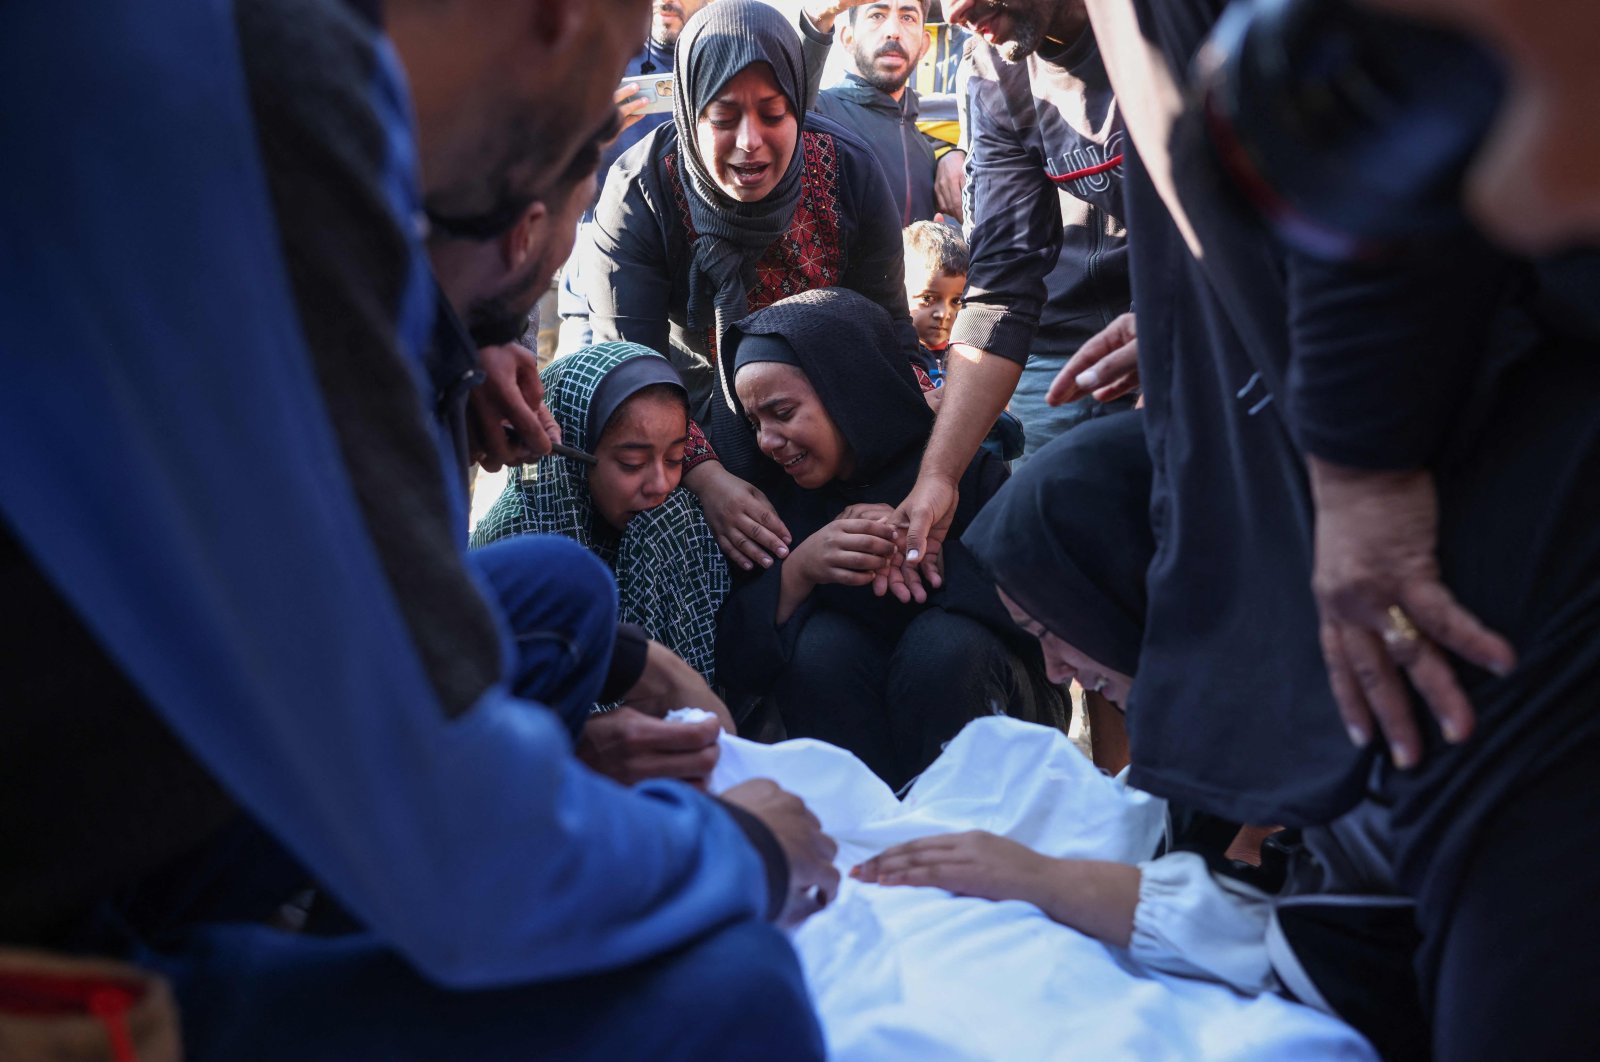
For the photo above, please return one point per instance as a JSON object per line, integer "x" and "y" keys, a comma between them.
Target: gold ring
{"x": 1401, "y": 631}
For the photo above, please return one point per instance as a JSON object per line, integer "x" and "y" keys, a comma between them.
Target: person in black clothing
{"x": 1209, "y": 898}
{"x": 886, "y": 40}
{"x": 1045, "y": 221}
{"x": 889, "y": 680}
{"x": 744, "y": 199}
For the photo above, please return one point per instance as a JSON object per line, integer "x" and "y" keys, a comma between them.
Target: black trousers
{"x": 896, "y": 702}
{"x": 1518, "y": 972}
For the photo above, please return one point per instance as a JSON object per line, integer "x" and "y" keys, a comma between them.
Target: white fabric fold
{"x": 1191, "y": 923}
{"x": 918, "y": 973}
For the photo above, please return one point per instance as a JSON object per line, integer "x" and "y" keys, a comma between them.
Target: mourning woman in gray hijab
{"x": 743, "y": 200}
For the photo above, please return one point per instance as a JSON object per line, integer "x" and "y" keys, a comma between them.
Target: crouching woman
{"x": 626, "y": 405}
{"x": 822, "y": 384}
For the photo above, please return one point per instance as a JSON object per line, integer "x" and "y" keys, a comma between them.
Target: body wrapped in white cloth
{"x": 902, "y": 972}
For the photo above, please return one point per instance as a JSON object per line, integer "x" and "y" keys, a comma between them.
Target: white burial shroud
{"x": 900, "y": 972}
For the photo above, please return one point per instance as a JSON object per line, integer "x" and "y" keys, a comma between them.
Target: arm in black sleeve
{"x": 1013, "y": 222}
{"x": 814, "y": 46}
{"x": 877, "y": 266}
{"x": 752, "y": 647}
{"x": 1383, "y": 354}
{"x": 625, "y": 266}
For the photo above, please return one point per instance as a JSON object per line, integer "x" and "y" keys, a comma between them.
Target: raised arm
{"x": 1014, "y": 222}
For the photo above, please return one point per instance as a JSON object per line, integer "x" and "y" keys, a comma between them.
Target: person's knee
{"x": 560, "y": 605}
{"x": 754, "y": 1001}
{"x": 545, "y": 582}
{"x": 831, "y": 650}
{"x": 943, "y": 651}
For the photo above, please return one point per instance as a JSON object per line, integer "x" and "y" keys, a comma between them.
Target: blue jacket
{"x": 226, "y": 554}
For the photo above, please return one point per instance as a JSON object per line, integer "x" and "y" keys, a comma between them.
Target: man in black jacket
{"x": 885, "y": 41}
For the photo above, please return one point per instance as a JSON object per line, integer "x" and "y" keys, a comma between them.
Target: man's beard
{"x": 1029, "y": 34}
{"x": 885, "y": 83}
{"x": 503, "y": 317}
{"x": 659, "y": 32}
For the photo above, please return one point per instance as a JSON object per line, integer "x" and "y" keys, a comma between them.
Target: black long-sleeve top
{"x": 845, "y": 233}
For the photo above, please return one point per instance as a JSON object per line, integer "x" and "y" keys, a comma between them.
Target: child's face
{"x": 641, "y": 458}
{"x": 935, "y": 301}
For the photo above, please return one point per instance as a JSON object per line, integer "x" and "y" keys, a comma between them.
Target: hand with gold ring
{"x": 1385, "y": 609}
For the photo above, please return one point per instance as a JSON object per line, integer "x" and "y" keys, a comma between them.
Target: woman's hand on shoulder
{"x": 744, "y": 522}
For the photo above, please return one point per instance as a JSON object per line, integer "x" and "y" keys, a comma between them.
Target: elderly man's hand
{"x": 1383, "y": 608}
{"x": 629, "y": 746}
{"x": 813, "y": 881}
{"x": 511, "y": 396}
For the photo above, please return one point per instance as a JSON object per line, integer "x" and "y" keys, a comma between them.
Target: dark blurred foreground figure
{"x": 1312, "y": 917}
{"x": 1444, "y": 406}
{"x": 304, "y": 639}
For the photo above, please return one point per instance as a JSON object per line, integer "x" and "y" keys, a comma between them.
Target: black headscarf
{"x": 719, "y": 42}
{"x": 846, "y": 345}
{"x": 1069, "y": 540}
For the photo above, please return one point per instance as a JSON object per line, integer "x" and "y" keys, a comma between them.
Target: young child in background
{"x": 936, "y": 277}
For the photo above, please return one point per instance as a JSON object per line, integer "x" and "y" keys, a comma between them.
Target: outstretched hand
{"x": 975, "y": 863}
{"x": 925, "y": 517}
{"x": 1384, "y": 608}
{"x": 1106, "y": 366}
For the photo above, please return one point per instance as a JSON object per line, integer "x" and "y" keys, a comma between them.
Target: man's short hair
{"x": 939, "y": 247}
{"x": 854, "y": 12}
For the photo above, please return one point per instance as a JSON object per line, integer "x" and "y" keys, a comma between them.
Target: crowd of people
{"x": 864, "y": 424}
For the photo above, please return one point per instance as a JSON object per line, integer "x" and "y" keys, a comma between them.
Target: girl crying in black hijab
{"x": 831, "y": 401}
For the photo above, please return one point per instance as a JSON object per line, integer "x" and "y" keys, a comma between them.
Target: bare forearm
{"x": 977, "y": 388}
{"x": 1096, "y": 898}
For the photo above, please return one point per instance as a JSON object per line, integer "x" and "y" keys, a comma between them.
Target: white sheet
{"x": 916, "y": 973}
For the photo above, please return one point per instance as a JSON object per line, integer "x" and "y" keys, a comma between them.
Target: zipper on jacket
{"x": 905, "y": 164}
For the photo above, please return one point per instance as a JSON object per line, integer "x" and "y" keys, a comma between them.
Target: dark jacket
{"x": 1043, "y": 203}
{"x": 889, "y": 127}
{"x": 844, "y": 233}
{"x": 1449, "y": 360}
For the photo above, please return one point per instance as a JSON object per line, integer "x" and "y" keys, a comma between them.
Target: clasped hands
{"x": 865, "y": 546}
